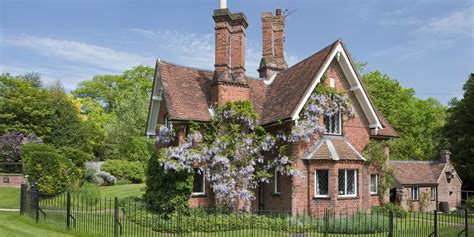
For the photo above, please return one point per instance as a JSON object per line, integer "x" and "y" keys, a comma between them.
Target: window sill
{"x": 198, "y": 195}
{"x": 374, "y": 194}
{"x": 347, "y": 197}
{"x": 321, "y": 197}
{"x": 276, "y": 194}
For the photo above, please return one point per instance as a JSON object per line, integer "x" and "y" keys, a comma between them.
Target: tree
{"x": 459, "y": 133}
{"x": 109, "y": 88}
{"x": 418, "y": 121}
{"x": 125, "y": 127}
{"x": 24, "y": 107}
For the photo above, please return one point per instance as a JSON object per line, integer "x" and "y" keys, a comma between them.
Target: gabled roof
{"x": 410, "y": 172}
{"x": 186, "y": 91}
{"x": 333, "y": 148}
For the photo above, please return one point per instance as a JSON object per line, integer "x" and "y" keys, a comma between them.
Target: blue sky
{"x": 425, "y": 44}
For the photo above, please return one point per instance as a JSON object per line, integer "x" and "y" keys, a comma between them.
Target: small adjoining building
{"x": 431, "y": 184}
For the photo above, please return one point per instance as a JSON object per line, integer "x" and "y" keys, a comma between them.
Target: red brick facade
{"x": 12, "y": 180}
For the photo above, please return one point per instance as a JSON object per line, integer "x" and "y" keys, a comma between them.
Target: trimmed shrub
{"x": 470, "y": 202}
{"x": 166, "y": 192}
{"x": 77, "y": 156}
{"x": 138, "y": 149}
{"x": 397, "y": 210}
{"x": 28, "y": 149}
{"x": 50, "y": 171}
{"x": 129, "y": 170}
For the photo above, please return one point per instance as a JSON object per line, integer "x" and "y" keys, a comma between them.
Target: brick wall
{"x": 223, "y": 92}
{"x": 13, "y": 180}
{"x": 355, "y": 129}
{"x": 449, "y": 191}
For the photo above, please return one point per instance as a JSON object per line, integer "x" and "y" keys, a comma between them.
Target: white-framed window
{"x": 433, "y": 193}
{"x": 374, "y": 183}
{"x": 415, "y": 193}
{"x": 168, "y": 123}
{"x": 321, "y": 186}
{"x": 199, "y": 184}
{"x": 348, "y": 183}
{"x": 277, "y": 182}
{"x": 332, "y": 123}
{"x": 332, "y": 82}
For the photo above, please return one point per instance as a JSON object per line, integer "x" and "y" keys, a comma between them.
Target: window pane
{"x": 322, "y": 187}
{"x": 198, "y": 185}
{"x": 277, "y": 182}
{"x": 342, "y": 180}
{"x": 337, "y": 129}
{"x": 351, "y": 179}
{"x": 373, "y": 183}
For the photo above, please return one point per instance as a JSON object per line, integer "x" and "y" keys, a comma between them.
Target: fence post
{"x": 68, "y": 211}
{"x": 22, "y": 198}
{"x": 35, "y": 201}
{"x": 435, "y": 232}
{"x": 116, "y": 217}
{"x": 466, "y": 224}
{"x": 390, "y": 223}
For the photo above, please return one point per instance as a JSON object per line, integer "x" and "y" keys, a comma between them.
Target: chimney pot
{"x": 223, "y": 4}
{"x": 278, "y": 12}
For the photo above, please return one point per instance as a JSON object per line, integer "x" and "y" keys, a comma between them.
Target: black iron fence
{"x": 11, "y": 167}
{"x": 114, "y": 217}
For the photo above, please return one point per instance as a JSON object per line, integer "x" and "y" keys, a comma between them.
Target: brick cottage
{"x": 334, "y": 173}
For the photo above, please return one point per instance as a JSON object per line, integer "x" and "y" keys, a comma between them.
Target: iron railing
{"x": 114, "y": 217}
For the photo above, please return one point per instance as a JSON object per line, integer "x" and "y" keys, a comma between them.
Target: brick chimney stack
{"x": 229, "y": 82}
{"x": 273, "y": 40}
{"x": 445, "y": 156}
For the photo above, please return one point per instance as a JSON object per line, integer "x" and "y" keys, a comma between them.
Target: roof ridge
{"x": 417, "y": 161}
{"x": 184, "y": 66}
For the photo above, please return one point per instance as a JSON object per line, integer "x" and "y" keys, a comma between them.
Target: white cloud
{"x": 197, "y": 50}
{"x": 459, "y": 23}
{"x": 78, "y": 52}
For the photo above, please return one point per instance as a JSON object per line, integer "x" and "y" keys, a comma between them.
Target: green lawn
{"x": 122, "y": 191}
{"x": 14, "y": 225}
{"x": 9, "y": 197}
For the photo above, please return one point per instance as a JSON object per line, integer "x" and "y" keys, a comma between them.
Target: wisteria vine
{"x": 234, "y": 151}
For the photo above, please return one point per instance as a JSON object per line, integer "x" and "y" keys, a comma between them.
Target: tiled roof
{"x": 416, "y": 172}
{"x": 333, "y": 148}
{"x": 289, "y": 86}
{"x": 188, "y": 97}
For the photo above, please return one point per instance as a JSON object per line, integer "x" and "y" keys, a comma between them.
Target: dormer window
{"x": 332, "y": 123}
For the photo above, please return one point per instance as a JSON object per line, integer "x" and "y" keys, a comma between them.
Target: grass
{"x": 14, "y": 225}
{"x": 9, "y": 197}
{"x": 122, "y": 191}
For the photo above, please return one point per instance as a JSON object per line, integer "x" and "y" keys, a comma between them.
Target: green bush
{"x": 51, "y": 172}
{"x": 130, "y": 170}
{"x": 77, "y": 156}
{"x": 28, "y": 149}
{"x": 200, "y": 220}
{"x": 166, "y": 192}
{"x": 397, "y": 210}
{"x": 470, "y": 202}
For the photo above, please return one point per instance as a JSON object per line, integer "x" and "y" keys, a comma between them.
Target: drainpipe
{"x": 308, "y": 173}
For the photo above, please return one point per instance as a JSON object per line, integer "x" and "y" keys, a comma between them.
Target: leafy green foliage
{"x": 51, "y": 172}
{"x": 397, "y": 210}
{"x": 418, "y": 121}
{"x": 459, "y": 133}
{"x": 378, "y": 160}
{"x": 24, "y": 107}
{"x": 122, "y": 169}
{"x": 28, "y": 149}
{"x": 77, "y": 156}
{"x": 108, "y": 89}
{"x": 166, "y": 192}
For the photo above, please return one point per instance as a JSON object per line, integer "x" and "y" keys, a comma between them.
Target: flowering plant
{"x": 11, "y": 143}
{"x": 235, "y": 150}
